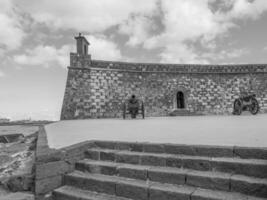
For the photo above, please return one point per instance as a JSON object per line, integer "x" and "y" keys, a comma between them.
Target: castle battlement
{"x": 86, "y": 62}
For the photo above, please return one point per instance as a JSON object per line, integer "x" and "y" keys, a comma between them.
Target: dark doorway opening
{"x": 85, "y": 49}
{"x": 180, "y": 100}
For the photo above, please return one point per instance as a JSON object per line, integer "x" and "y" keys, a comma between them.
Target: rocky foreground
{"x": 17, "y": 168}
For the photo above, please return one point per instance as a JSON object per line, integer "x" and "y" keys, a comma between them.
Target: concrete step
{"x": 73, "y": 193}
{"x": 207, "y": 179}
{"x": 248, "y": 167}
{"x": 145, "y": 190}
{"x": 193, "y": 150}
{"x": 183, "y": 112}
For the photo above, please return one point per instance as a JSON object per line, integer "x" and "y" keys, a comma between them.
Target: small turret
{"x": 82, "y": 45}
{"x": 81, "y": 59}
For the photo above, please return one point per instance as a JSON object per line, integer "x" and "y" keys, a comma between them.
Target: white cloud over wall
{"x": 181, "y": 54}
{"x": 184, "y": 22}
{"x": 50, "y": 56}
{"x": 84, "y": 15}
{"x": 1, "y": 74}
{"x": 11, "y": 34}
{"x": 243, "y": 9}
{"x": 194, "y": 20}
{"x": 45, "y": 56}
{"x": 139, "y": 28}
{"x": 102, "y": 48}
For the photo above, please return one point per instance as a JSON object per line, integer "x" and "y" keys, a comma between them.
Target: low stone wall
{"x": 52, "y": 164}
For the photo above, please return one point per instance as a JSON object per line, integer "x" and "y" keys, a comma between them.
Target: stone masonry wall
{"x": 97, "y": 90}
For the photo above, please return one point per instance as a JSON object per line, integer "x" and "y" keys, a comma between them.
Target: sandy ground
{"x": 13, "y": 129}
{"x": 244, "y": 130}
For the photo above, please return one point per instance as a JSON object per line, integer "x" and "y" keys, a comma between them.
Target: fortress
{"x": 204, "y": 158}
{"x": 97, "y": 89}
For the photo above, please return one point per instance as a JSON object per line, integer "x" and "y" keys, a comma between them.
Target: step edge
{"x": 183, "y": 156}
{"x": 184, "y": 171}
{"x": 150, "y": 183}
{"x": 99, "y": 196}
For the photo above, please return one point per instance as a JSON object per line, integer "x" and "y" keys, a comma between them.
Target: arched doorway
{"x": 180, "y": 100}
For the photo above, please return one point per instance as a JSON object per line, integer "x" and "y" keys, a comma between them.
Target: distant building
{"x": 4, "y": 120}
{"x": 97, "y": 89}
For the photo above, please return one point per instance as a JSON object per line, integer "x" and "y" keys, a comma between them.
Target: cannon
{"x": 246, "y": 103}
{"x": 133, "y": 107}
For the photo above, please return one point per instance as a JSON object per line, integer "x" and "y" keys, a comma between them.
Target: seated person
{"x": 133, "y": 106}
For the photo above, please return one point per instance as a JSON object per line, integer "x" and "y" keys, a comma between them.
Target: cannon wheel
{"x": 237, "y": 107}
{"x": 124, "y": 110}
{"x": 143, "y": 110}
{"x": 254, "y": 107}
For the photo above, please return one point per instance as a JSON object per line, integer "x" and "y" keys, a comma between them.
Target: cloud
{"x": 247, "y": 9}
{"x": 224, "y": 54}
{"x": 2, "y": 74}
{"x": 181, "y": 54}
{"x": 102, "y": 48}
{"x": 172, "y": 27}
{"x": 188, "y": 22}
{"x": 140, "y": 27}
{"x": 12, "y": 33}
{"x": 84, "y": 15}
{"x": 46, "y": 56}
{"x": 185, "y": 21}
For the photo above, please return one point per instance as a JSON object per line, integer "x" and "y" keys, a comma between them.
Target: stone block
{"x": 90, "y": 183}
{"x": 127, "y": 158}
{"x": 166, "y": 176}
{"x": 174, "y": 162}
{"x": 257, "y": 168}
{"x": 109, "y": 156}
{"x": 248, "y": 185}
{"x": 49, "y": 155}
{"x": 169, "y": 192}
{"x": 214, "y": 151}
{"x": 45, "y": 170}
{"x": 248, "y": 152}
{"x": 133, "y": 172}
{"x": 197, "y": 164}
{"x": 138, "y": 147}
{"x": 42, "y": 186}
{"x": 133, "y": 191}
{"x": 75, "y": 152}
{"x": 210, "y": 180}
{"x": 105, "y": 144}
{"x": 123, "y": 146}
{"x": 152, "y": 160}
{"x": 179, "y": 149}
{"x": 153, "y": 148}
{"x": 203, "y": 194}
{"x": 96, "y": 169}
{"x": 92, "y": 154}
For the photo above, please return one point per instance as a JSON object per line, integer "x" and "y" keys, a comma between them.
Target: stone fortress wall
{"x": 97, "y": 89}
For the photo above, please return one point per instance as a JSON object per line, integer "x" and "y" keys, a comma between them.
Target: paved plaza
{"x": 244, "y": 130}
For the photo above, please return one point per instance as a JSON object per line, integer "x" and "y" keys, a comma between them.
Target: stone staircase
{"x": 145, "y": 171}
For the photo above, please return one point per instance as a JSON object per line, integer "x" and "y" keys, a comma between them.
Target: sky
{"x": 36, "y": 38}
